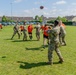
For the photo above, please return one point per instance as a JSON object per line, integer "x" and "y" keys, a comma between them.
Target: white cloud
{"x": 73, "y": 3}
{"x": 35, "y": 11}
{"x": 67, "y": 12}
{"x": 27, "y": 11}
{"x": 60, "y": 2}
{"x": 17, "y": 1}
{"x": 46, "y": 8}
{"x": 43, "y": 1}
{"x": 1, "y": 13}
{"x": 45, "y": 13}
{"x": 37, "y": 3}
{"x": 54, "y": 7}
{"x": 54, "y": 12}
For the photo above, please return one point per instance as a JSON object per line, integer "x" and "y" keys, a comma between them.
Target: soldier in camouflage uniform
{"x": 16, "y": 30}
{"x": 62, "y": 34}
{"x": 24, "y": 33}
{"x": 54, "y": 43}
{"x": 37, "y": 27}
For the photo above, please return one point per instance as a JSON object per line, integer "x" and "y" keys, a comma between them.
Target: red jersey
{"x": 21, "y": 28}
{"x": 45, "y": 30}
{"x": 0, "y": 26}
{"x": 30, "y": 28}
{"x": 42, "y": 27}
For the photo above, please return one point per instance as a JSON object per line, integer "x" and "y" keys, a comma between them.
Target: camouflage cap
{"x": 50, "y": 24}
{"x": 46, "y": 23}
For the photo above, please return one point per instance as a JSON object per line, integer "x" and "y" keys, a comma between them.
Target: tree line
{"x": 36, "y": 19}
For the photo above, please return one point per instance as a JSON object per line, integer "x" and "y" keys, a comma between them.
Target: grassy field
{"x": 19, "y": 57}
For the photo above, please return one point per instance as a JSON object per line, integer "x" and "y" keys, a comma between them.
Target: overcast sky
{"x": 52, "y": 8}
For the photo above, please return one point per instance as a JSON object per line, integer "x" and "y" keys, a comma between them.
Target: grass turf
{"x": 19, "y": 57}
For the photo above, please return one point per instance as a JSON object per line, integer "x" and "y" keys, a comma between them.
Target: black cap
{"x": 56, "y": 22}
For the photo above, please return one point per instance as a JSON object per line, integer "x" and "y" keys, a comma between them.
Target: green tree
{"x": 37, "y": 17}
{"x": 40, "y": 19}
{"x": 4, "y": 19}
{"x": 8, "y": 20}
{"x": 64, "y": 19}
{"x": 58, "y": 18}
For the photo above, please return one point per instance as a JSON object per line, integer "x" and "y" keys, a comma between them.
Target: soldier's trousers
{"x": 15, "y": 34}
{"x": 38, "y": 35}
{"x": 62, "y": 39}
{"x": 51, "y": 48}
{"x": 24, "y": 35}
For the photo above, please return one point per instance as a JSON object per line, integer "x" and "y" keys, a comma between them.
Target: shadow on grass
{"x": 8, "y": 39}
{"x": 37, "y": 48}
{"x": 18, "y": 41}
{"x": 3, "y": 56}
{"x": 23, "y": 41}
{"x": 26, "y": 65}
{"x": 14, "y": 40}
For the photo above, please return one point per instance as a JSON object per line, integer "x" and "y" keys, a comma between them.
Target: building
{"x": 19, "y": 18}
{"x": 71, "y": 18}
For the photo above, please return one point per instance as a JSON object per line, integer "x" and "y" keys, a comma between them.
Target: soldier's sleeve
{"x": 54, "y": 32}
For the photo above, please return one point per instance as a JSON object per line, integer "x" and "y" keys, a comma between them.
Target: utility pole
{"x": 11, "y": 10}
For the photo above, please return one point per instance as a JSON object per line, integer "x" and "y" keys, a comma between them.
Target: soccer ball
{"x": 41, "y": 7}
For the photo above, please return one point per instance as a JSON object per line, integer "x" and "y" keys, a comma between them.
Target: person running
{"x": 45, "y": 35}
{"x": 16, "y": 31}
{"x": 1, "y": 26}
{"x": 37, "y": 27}
{"x": 30, "y": 29}
{"x": 24, "y": 33}
{"x": 62, "y": 34}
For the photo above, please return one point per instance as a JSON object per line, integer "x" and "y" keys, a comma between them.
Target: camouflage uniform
{"x": 62, "y": 35}
{"x": 24, "y": 33}
{"x": 54, "y": 44}
{"x": 38, "y": 31}
{"x": 49, "y": 28}
{"x": 16, "y": 30}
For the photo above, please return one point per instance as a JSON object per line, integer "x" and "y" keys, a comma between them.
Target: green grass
{"x": 19, "y": 57}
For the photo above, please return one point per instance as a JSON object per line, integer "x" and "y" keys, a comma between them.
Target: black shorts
{"x": 29, "y": 33}
{"x": 21, "y": 30}
{"x": 44, "y": 36}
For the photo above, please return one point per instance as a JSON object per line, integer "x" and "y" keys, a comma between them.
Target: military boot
{"x": 61, "y": 60}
